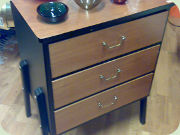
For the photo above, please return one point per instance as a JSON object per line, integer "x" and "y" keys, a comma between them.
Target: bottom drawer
{"x": 94, "y": 106}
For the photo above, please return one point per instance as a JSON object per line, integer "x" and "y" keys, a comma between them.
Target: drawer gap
{"x": 156, "y": 44}
{"x": 104, "y": 90}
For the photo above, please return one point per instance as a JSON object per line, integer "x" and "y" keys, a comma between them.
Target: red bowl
{"x": 119, "y": 1}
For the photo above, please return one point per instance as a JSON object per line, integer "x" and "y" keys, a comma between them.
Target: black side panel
{"x": 41, "y": 103}
{"x": 32, "y": 50}
{"x": 143, "y": 103}
{"x": 24, "y": 67}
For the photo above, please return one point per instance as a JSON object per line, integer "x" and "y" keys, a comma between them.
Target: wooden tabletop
{"x": 79, "y": 18}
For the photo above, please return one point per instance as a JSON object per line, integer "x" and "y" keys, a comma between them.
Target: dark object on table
{"x": 52, "y": 11}
{"x": 119, "y": 1}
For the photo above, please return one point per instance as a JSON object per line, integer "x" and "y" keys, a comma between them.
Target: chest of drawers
{"x": 90, "y": 64}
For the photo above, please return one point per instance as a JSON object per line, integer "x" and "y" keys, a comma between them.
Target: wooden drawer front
{"x": 83, "y": 51}
{"x": 85, "y": 110}
{"x": 85, "y": 83}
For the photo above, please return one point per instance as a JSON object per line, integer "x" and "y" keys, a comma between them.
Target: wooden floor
{"x": 163, "y": 110}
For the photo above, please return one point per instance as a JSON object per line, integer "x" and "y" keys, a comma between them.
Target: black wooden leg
{"x": 41, "y": 103}
{"x": 143, "y": 103}
{"x": 26, "y": 86}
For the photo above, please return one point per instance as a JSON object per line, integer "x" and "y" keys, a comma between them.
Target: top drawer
{"x": 82, "y": 51}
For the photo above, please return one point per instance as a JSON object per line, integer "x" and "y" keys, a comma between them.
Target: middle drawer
{"x": 82, "y": 84}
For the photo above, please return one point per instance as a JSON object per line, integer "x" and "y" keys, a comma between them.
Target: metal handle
{"x": 110, "y": 78}
{"x": 111, "y": 47}
{"x": 101, "y": 106}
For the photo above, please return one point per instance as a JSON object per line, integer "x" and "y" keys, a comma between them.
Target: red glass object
{"x": 174, "y": 16}
{"x": 119, "y": 1}
{"x": 175, "y": 12}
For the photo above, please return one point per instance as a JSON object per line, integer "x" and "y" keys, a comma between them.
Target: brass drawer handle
{"x": 111, "y": 47}
{"x": 101, "y": 106}
{"x": 110, "y": 78}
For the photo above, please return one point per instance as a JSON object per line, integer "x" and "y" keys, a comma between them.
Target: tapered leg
{"x": 143, "y": 104}
{"x": 41, "y": 103}
{"x": 26, "y": 85}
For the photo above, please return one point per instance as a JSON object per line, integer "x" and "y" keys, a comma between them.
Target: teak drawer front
{"x": 76, "y": 86}
{"x": 82, "y": 51}
{"x": 85, "y": 110}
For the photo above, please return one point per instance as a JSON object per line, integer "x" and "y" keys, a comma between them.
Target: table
{"x": 92, "y": 63}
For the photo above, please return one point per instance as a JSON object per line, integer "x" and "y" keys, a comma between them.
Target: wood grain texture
{"x": 88, "y": 109}
{"x": 78, "y": 18}
{"x": 82, "y": 51}
{"x": 163, "y": 108}
{"x": 85, "y": 83}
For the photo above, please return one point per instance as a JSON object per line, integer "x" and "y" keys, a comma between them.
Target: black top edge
{"x": 93, "y": 28}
